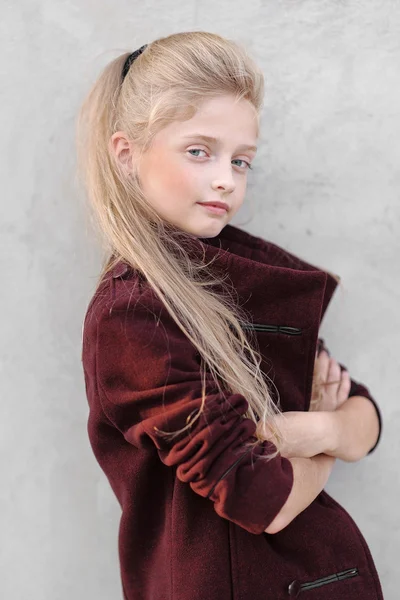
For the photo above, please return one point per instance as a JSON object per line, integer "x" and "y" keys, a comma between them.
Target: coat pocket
{"x": 296, "y": 588}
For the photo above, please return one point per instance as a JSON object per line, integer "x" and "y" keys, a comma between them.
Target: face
{"x": 182, "y": 169}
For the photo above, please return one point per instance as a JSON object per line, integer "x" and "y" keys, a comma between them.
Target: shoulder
{"x": 128, "y": 324}
{"x": 121, "y": 289}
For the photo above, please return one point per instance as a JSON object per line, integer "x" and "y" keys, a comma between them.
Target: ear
{"x": 122, "y": 148}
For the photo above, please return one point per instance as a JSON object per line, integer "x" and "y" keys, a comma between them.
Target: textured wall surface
{"x": 325, "y": 185}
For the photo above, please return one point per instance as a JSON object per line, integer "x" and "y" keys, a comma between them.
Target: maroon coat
{"x": 194, "y": 509}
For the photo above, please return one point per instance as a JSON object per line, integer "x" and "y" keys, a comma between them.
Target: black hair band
{"x": 130, "y": 60}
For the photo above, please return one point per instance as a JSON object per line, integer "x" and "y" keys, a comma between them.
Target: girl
{"x": 209, "y": 412}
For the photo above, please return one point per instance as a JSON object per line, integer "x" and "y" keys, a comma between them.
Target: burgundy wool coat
{"x": 194, "y": 509}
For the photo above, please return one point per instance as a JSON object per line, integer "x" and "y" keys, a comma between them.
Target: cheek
{"x": 177, "y": 181}
{"x": 166, "y": 177}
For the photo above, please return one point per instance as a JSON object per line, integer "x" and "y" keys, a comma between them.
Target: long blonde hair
{"x": 168, "y": 81}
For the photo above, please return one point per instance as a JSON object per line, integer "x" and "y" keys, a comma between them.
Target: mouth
{"x": 218, "y": 208}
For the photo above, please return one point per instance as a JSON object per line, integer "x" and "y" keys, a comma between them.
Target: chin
{"x": 210, "y": 232}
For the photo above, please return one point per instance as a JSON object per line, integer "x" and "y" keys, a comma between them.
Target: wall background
{"x": 326, "y": 186}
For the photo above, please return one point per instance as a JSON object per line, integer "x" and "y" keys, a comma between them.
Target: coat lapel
{"x": 271, "y": 282}
{"x": 285, "y": 299}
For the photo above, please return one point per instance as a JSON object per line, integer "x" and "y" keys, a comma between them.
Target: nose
{"x": 225, "y": 183}
{"x": 225, "y": 180}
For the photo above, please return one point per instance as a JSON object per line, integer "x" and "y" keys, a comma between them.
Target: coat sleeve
{"x": 148, "y": 377}
{"x": 357, "y": 389}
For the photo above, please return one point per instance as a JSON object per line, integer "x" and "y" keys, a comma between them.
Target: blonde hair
{"x": 168, "y": 81}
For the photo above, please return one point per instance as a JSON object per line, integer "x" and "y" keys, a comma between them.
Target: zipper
{"x": 273, "y": 328}
{"x": 295, "y": 588}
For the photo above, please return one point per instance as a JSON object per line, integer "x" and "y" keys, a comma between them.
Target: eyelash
{"x": 201, "y": 150}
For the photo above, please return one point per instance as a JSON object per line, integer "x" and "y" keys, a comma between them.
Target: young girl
{"x": 213, "y": 419}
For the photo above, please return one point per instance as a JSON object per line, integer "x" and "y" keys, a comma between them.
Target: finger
{"x": 321, "y": 347}
{"x": 322, "y": 365}
{"x": 334, "y": 379}
{"x": 314, "y": 404}
{"x": 334, "y": 372}
{"x": 316, "y": 390}
{"x": 344, "y": 387}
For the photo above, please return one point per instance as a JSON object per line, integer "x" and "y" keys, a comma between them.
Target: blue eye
{"x": 237, "y": 159}
{"x": 245, "y": 161}
{"x": 196, "y": 150}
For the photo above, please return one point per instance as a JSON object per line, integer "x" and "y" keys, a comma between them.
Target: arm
{"x": 357, "y": 389}
{"x": 310, "y": 477}
{"x": 346, "y": 433}
{"x": 357, "y": 429}
{"x": 143, "y": 373}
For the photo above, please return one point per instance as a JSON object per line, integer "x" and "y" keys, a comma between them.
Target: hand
{"x": 304, "y": 434}
{"x": 307, "y": 434}
{"x": 331, "y": 386}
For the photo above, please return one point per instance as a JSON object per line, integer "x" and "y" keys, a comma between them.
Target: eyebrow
{"x": 210, "y": 139}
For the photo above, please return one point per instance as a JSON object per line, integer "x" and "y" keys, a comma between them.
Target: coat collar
{"x": 268, "y": 279}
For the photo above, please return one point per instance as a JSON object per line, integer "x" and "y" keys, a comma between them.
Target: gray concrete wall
{"x": 326, "y": 186}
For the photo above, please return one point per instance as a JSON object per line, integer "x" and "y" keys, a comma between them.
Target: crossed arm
{"x": 347, "y": 433}
{"x": 355, "y": 429}
{"x": 317, "y": 439}
{"x": 350, "y": 432}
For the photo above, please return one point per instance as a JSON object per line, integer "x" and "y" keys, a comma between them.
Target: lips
{"x": 216, "y": 204}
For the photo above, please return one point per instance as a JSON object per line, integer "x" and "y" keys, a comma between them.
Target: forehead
{"x": 219, "y": 119}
